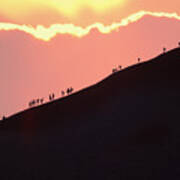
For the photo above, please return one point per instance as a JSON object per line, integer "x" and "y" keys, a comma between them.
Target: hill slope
{"x": 125, "y": 127}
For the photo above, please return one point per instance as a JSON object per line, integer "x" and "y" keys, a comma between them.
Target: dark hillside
{"x": 125, "y": 127}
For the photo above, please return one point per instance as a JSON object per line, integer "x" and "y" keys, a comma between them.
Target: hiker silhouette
{"x": 37, "y": 101}
{"x": 62, "y": 93}
{"x": 71, "y": 90}
{"x": 164, "y": 50}
{"x": 42, "y": 100}
{"x": 114, "y": 70}
{"x": 120, "y": 67}
{"x": 32, "y": 103}
{"x": 68, "y": 91}
{"x": 51, "y": 97}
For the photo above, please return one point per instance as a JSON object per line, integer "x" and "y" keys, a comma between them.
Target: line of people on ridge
{"x": 70, "y": 90}
{"x": 36, "y": 102}
{"x": 115, "y": 70}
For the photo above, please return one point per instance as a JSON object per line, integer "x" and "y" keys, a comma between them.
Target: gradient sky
{"x": 41, "y": 53}
{"x": 79, "y": 12}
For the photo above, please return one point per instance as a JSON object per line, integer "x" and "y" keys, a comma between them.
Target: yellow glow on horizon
{"x": 46, "y": 34}
{"x": 70, "y": 8}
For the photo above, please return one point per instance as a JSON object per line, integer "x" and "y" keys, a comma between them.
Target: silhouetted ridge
{"x": 124, "y": 127}
{"x": 151, "y": 74}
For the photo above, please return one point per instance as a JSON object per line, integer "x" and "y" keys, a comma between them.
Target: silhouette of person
{"x": 164, "y": 49}
{"x": 34, "y": 102}
{"x": 120, "y": 67}
{"x": 50, "y": 97}
{"x": 114, "y": 70}
{"x": 53, "y": 96}
{"x": 68, "y": 91}
{"x": 71, "y": 90}
{"x": 30, "y": 104}
{"x": 62, "y": 93}
{"x": 37, "y": 101}
{"x": 42, "y": 100}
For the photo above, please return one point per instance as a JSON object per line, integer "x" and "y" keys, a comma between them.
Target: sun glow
{"x": 71, "y": 7}
{"x": 46, "y": 34}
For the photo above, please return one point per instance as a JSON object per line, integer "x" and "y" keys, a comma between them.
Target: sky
{"x": 48, "y": 46}
{"x": 79, "y": 12}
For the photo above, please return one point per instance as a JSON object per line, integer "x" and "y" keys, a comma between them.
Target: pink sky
{"x": 31, "y": 68}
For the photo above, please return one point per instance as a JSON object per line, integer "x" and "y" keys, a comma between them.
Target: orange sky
{"x": 31, "y": 68}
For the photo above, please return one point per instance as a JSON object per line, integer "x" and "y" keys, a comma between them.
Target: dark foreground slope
{"x": 125, "y": 127}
